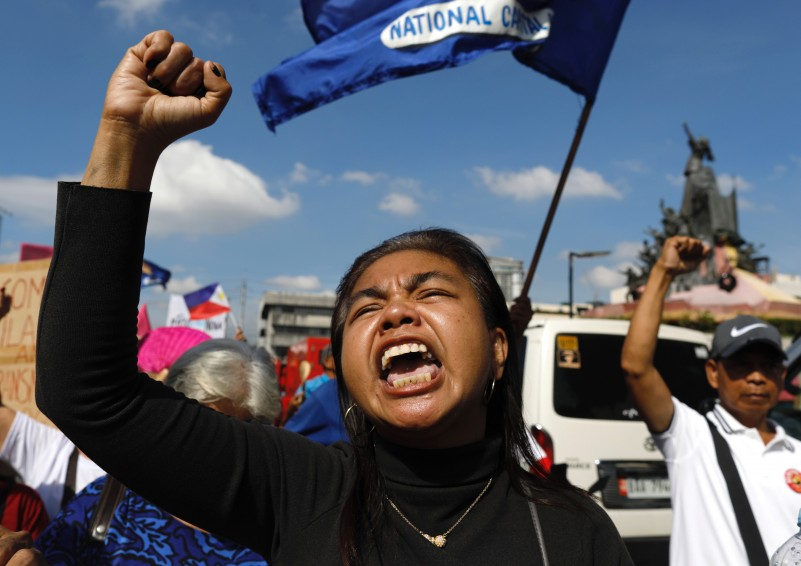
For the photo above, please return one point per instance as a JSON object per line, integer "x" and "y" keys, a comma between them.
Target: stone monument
{"x": 705, "y": 214}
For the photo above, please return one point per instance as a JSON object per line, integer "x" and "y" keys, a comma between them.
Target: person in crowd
{"x": 21, "y": 508}
{"x": 225, "y": 374}
{"x": 428, "y": 380}
{"x": 45, "y": 458}
{"x": 746, "y": 366}
{"x": 319, "y": 417}
{"x": 16, "y": 549}
{"x": 159, "y": 348}
{"x": 329, "y": 373}
{"x": 309, "y": 384}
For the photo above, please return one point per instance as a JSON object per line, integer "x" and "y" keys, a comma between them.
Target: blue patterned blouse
{"x": 140, "y": 533}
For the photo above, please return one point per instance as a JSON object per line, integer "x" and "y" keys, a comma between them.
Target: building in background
{"x": 287, "y": 318}
{"x": 509, "y": 273}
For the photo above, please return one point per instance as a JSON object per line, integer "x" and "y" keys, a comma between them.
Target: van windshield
{"x": 589, "y": 383}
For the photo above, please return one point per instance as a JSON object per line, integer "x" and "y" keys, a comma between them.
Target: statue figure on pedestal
{"x": 705, "y": 214}
{"x": 709, "y": 213}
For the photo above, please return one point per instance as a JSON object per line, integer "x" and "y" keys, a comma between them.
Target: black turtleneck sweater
{"x": 267, "y": 488}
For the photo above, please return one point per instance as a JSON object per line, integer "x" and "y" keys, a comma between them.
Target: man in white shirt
{"x": 746, "y": 366}
{"x": 41, "y": 454}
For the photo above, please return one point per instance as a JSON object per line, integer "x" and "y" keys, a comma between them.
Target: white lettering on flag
{"x": 435, "y": 22}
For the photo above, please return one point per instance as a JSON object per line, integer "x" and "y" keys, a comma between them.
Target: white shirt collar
{"x": 729, "y": 424}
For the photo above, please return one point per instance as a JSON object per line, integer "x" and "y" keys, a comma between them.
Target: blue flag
{"x": 152, "y": 274}
{"x": 363, "y": 43}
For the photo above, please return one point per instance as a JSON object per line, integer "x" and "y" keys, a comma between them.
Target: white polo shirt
{"x": 705, "y": 529}
{"x": 41, "y": 453}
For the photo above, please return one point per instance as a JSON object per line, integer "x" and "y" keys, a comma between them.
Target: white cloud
{"x": 196, "y": 192}
{"x": 486, "y": 243}
{"x": 396, "y": 185}
{"x": 183, "y": 286}
{"x": 675, "y": 180}
{"x": 726, "y": 183}
{"x": 540, "y": 182}
{"x": 300, "y": 173}
{"x": 32, "y": 199}
{"x": 128, "y": 11}
{"x": 627, "y": 250}
{"x": 296, "y": 282}
{"x": 402, "y": 205}
{"x": 361, "y": 177}
{"x": 603, "y": 277}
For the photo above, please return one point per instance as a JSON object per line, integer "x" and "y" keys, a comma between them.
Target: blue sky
{"x": 477, "y": 148}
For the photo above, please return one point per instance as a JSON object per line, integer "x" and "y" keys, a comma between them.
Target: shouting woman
{"x": 439, "y": 468}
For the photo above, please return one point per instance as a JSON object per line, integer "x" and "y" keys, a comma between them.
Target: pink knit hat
{"x": 160, "y": 347}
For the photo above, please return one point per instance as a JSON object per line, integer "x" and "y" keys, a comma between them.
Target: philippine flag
{"x": 207, "y": 302}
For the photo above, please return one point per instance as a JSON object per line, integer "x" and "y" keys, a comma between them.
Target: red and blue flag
{"x": 207, "y": 302}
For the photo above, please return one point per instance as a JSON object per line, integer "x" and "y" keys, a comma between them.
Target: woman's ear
{"x": 500, "y": 349}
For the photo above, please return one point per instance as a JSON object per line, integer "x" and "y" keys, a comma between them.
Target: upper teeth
{"x": 394, "y": 351}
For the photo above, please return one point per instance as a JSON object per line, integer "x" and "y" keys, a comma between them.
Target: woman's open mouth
{"x": 408, "y": 364}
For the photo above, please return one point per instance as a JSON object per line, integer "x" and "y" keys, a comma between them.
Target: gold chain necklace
{"x": 440, "y": 540}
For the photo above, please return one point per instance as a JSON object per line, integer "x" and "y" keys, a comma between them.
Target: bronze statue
{"x": 708, "y": 212}
{"x": 704, "y": 214}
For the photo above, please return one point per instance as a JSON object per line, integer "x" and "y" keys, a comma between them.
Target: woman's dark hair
{"x": 363, "y": 509}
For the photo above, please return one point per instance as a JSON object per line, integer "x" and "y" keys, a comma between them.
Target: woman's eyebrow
{"x": 418, "y": 279}
{"x": 375, "y": 292}
{"x": 412, "y": 282}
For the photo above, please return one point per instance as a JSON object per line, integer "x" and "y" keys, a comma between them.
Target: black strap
{"x": 70, "y": 481}
{"x": 754, "y": 547}
{"x": 110, "y": 497}
{"x": 538, "y": 527}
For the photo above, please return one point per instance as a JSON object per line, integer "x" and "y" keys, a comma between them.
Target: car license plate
{"x": 644, "y": 488}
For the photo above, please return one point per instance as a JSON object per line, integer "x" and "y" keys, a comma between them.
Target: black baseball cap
{"x": 735, "y": 334}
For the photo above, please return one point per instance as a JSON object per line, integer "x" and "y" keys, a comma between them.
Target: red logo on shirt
{"x": 793, "y": 479}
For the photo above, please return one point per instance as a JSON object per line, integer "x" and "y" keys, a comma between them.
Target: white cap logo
{"x": 737, "y": 332}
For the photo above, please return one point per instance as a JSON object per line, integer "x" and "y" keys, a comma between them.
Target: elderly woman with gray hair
{"x": 108, "y": 524}
{"x": 229, "y": 376}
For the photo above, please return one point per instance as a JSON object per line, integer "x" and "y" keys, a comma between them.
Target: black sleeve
{"x": 246, "y": 482}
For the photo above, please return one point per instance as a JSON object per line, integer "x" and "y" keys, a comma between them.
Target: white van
{"x": 576, "y": 402}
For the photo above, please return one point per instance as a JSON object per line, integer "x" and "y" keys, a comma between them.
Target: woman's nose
{"x": 398, "y": 313}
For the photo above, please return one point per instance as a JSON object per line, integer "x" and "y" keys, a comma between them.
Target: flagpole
{"x": 585, "y": 115}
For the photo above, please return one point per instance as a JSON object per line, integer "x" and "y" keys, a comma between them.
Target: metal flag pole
{"x": 585, "y": 115}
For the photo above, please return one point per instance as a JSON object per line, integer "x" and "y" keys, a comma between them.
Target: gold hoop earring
{"x": 489, "y": 390}
{"x": 348, "y": 410}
